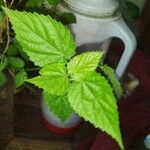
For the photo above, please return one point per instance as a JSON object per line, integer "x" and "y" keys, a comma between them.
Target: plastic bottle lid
{"x": 100, "y": 8}
{"x": 147, "y": 141}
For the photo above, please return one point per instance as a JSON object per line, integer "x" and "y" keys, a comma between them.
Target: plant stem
{"x": 11, "y": 3}
{"x": 7, "y": 28}
{"x": 8, "y": 37}
{"x": 30, "y": 88}
{"x": 11, "y": 73}
{"x": 1, "y": 33}
{"x": 19, "y": 2}
{"x": 17, "y": 90}
{"x": 32, "y": 69}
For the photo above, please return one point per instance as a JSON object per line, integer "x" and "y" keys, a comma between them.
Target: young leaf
{"x": 132, "y": 10}
{"x": 54, "y": 85}
{"x": 12, "y": 50}
{"x": 15, "y": 62}
{"x": 67, "y": 18}
{"x": 59, "y": 105}
{"x": 2, "y": 79}
{"x": 34, "y": 3}
{"x": 21, "y": 77}
{"x": 93, "y": 99}
{"x": 53, "y": 79}
{"x": 2, "y": 3}
{"x": 16, "y": 49}
{"x": 3, "y": 65}
{"x": 42, "y": 38}
{"x": 56, "y": 69}
{"x": 83, "y": 63}
{"x": 113, "y": 80}
{"x": 2, "y": 15}
{"x": 54, "y": 2}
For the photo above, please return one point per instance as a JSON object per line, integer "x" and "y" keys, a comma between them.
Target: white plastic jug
{"x": 97, "y": 22}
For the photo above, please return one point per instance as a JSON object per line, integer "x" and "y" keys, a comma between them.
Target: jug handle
{"x": 118, "y": 28}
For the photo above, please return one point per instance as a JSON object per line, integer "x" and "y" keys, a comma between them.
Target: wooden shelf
{"x": 29, "y": 128}
{"x": 31, "y": 134}
{"x": 34, "y": 144}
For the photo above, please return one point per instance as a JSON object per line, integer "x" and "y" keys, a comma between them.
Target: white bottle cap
{"x": 99, "y": 8}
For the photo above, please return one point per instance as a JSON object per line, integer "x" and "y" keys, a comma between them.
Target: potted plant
{"x": 15, "y": 66}
{"x": 12, "y": 57}
{"x": 71, "y": 83}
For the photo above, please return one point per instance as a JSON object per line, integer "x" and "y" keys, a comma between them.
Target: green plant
{"x": 132, "y": 9}
{"x": 49, "y": 7}
{"x": 129, "y": 9}
{"x": 38, "y": 3}
{"x": 9, "y": 51}
{"x": 12, "y": 58}
{"x": 70, "y": 82}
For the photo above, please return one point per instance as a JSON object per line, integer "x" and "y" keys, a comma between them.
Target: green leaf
{"x": 15, "y": 62}
{"x": 34, "y": 3}
{"x": 113, "y": 80}
{"x": 23, "y": 54}
{"x": 21, "y": 77}
{"x": 12, "y": 50}
{"x": 42, "y": 38}
{"x": 2, "y": 3}
{"x": 15, "y": 49}
{"x": 2, "y": 79}
{"x": 56, "y": 69}
{"x": 132, "y": 9}
{"x": 2, "y": 15}
{"x": 59, "y": 105}
{"x": 53, "y": 79}
{"x": 93, "y": 99}
{"x": 53, "y": 85}
{"x": 67, "y": 18}
{"x": 83, "y": 63}
{"x": 54, "y": 2}
{"x": 3, "y": 65}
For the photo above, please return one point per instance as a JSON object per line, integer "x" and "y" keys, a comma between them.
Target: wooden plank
{"x": 28, "y": 121}
{"x": 34, "y": 144}
{"x": 6, "y": 112}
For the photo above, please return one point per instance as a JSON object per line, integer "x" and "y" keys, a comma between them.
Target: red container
{"x": 54, "y": 124}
